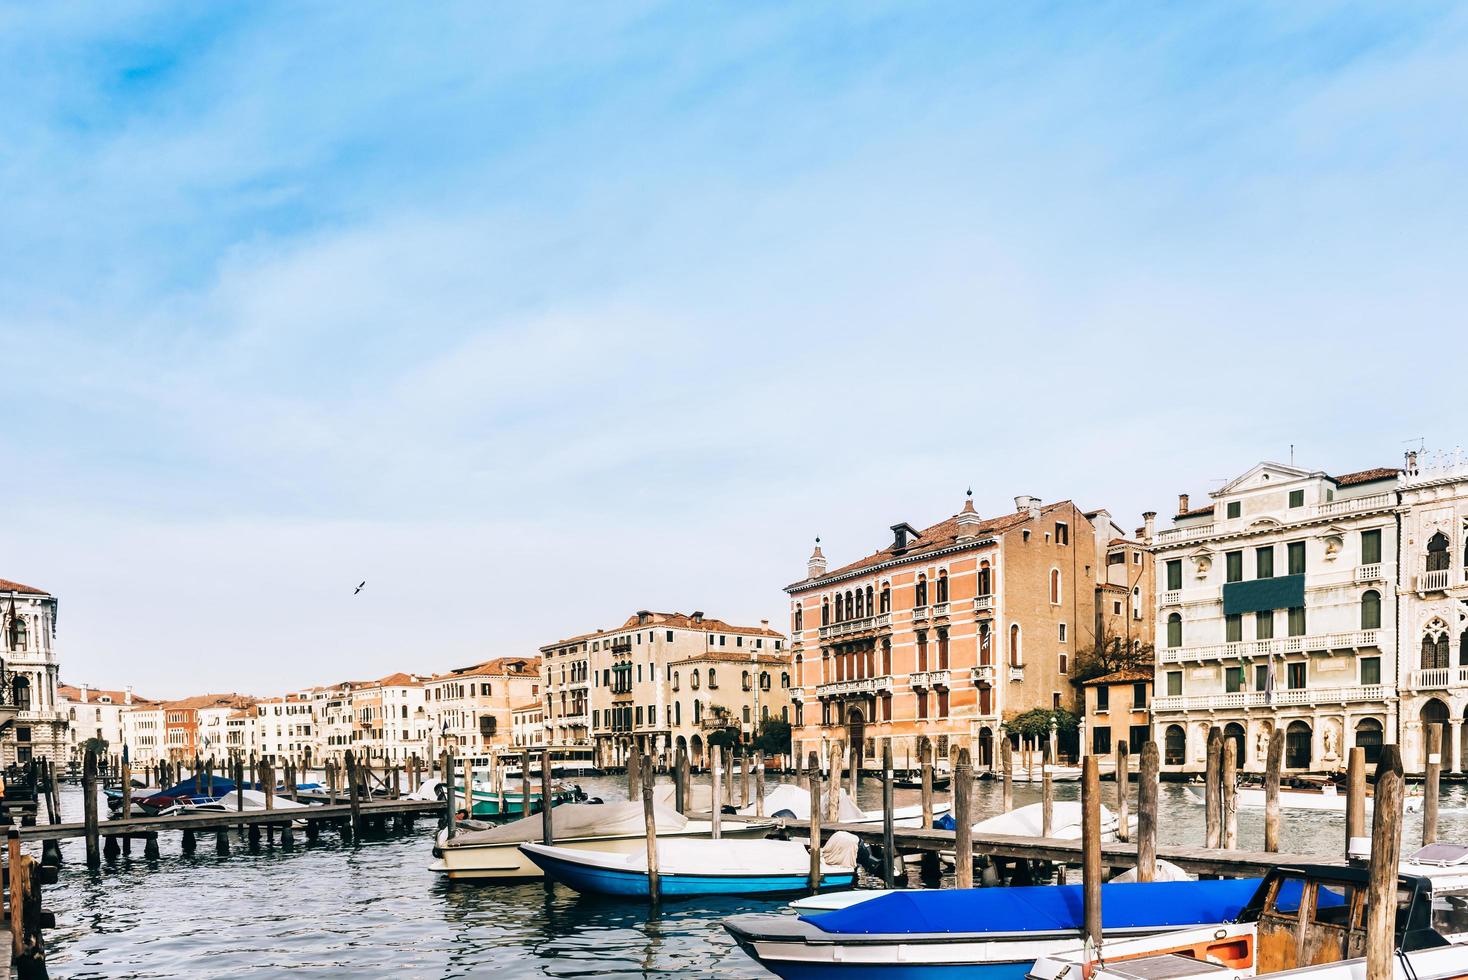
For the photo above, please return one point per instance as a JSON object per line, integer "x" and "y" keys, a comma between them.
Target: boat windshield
{"x": 1450, "y": 912}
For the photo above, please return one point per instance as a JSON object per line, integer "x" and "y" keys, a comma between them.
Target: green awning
{"x": 1264, "y": 595}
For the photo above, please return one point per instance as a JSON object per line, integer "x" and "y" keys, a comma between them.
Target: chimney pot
{"x": 1149, "y": 524}
{"x": 697, "y": 615}
{"x": 1182, "y": 503}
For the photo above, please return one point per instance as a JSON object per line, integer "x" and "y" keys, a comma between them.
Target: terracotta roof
{"x": 8, "y": 586}
{"x": 211, "y": 701}
{"x": 532, "y": 706}
{"x": 1367, "y": 476}
{"x": 73, "y": 693}
{"x": 499, "y": 667}
{"x": 724, "y": 657}
{"x": 944, "y": 534}
{"x": 1196, "y": 511}
{"x": 1119, "y": 677}
{"x": 673, "y": 620}
{"x": 398, "y": 679}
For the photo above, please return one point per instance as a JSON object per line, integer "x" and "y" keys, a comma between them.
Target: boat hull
{"x": 631, "y": 883}
{"x": 506, "y": 862}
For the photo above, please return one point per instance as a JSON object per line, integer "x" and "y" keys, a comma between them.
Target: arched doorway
{"x": 986, "y": 748}
{"x": 1175, "y": 745}
{"x": 695, "y": 749}
{"x": 1435, "y": 712}
{"x": 1299, "y": 747}
{"x": 1234, "y": 732}
{"x": 21, "y": 689}
{"x": 1368, "y": 737}
{"x": 856, "y": 728}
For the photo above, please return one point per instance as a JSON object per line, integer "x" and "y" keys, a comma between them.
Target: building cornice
{"x": 835, "y": 577}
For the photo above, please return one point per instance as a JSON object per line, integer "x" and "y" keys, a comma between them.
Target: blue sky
{"x": 534, "y": 316}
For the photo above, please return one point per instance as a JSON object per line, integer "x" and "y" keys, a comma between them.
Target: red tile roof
{"x": 1196, "y": 511}
{"x": 1119, "y": 677}
{"x": 211, "y": 701}
{"x": 73, "y": 693}
{"x": 8, "y": 586}
{"x": 499, "y": 667}
{"x": 942, "y": 535}
{"x": 1367, "y": 476}
{"x": 673, "y": 620}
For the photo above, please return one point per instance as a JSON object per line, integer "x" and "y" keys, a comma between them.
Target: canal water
{"x": 374, "y": 910}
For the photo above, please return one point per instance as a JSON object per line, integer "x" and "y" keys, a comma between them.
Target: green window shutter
{"x": 1234, "y": 565}
{"x": 1371, "y": 547}
{"x": 1174, "y": 575}
{"x": 1371, "y": 610}
{"x": 1174, "y": 683}
{"x": 1174, "y": 630}
{"x": 1297, "y": 557}
{"x": 1370, "y": 670}
{"x": 1297, "y": 498}
{"x": 1264, "y": 562}
{"x": 1233, "y": 509}
{"x": 1261, "y": 676}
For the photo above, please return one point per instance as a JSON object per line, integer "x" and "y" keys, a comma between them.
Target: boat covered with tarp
{"x": 963, "y": 932}
{"x": 793, "y": 803}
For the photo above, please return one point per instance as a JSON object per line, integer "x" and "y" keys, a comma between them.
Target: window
{"x": 1062, "y": 533}
{"x": 1174, "y": 630}
{"x": 1055, "y": 586}
{"x": 1297, "y": 499}
{"x": 713, "y": 679}
{"x": 1296, "y": 557}
{"x": 1371, "y": 610}
{"x": 920, "y": 595}
{"x": 1232, "y": 509}
{"x": 799, "y": 617}
{"x": 1370, "y": 671}
{"x": 670, "y": 636}
{"x": 1175, "y": 744}
{"x": 922, "y": 704}
{"x": 1233, "y": 680}
{"x": 1062, "y": 632}
{"x": 1435, "y": 653}
{"x": 1296, "y": 622}
{"x": 1116, "y": 558}
{"x": 1233, "y": 628}
{"x": 1100, "y": 741}
{"x": 861, "y": 608}
{"x": 1138, "y": 736}
{"x": 886, "y": 598}
{"x": 1264, "y": 562}
{"x": 1139, "y": 695}
{"x": 1295, "y": 676}
{"x": 1297, "y": 743}
{"x": 942, "y": 649}
{"x": 1437, "y": 553}
{"x": 1174, "y": 575}
{"x": 942, "y": 586}
{"x": 1261, "y": 677}
{"x": 1233, "y": 562}
{"x": 1174, "y": 683}
{"x": 825, "y": 612}
{"x": 1116, "y": 607}
{"x": 1064, "y": 664}
{"x": 1264, "y": 625}
{"x": 1103, "y": 698}
{"x": 1371, "y": 547}
{"x": 986, "y": 579}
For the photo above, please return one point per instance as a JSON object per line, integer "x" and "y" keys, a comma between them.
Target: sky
{"x": 535, "y": 315}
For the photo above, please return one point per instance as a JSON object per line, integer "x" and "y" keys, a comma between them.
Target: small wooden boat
{"x": 907, "y": 782}
{"x": 990, "y": 933}
{"x": 1306, "y": 920}
{"x": 688, "y": 867}
{"x": 493, "y": 852}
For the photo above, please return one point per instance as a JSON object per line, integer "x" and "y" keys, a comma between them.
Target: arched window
{"x": 1175, "y": 630}
{"x": 986, "y": 646}
{"x": 1368, "y": 737}
{"x": 849, "y": 606}
{"x": 1435, "y": 652}
{"x": 1015, "y": 654}
{"x": 697, "y": 712}
{"x": 764, "y": 680}
{"x": 871, "y": 609}
{"x": 675, "y": 680}
{"x": 1175, "y": 745}
{"x": 17, "y": 633}
{"x": 693, "y": 680}
{"x": 1371, "y": 610}
{"x": 799, "y": 671}
{"x": 784, "y": 680}
{"x": 713, "y": 680}
{"x": 861, "y": 607}
{"x": 886, "y": 598}
{"x": 986, "y": 579}
{"x": 838, "y": 607}
{"x": 799, "y": 619}
{"x": 677, "y": 712}
{"x": 1437, "y": 553}
{"x": 1234, "y": 732}
{"x": 1055, "y": 586}
{"x": 1298, "y": 745}
{"x": 825, "y": 612}
{"x": 744, "y": 681}
{"x": 942, "y": 586}
{"x": 920, "y": 596}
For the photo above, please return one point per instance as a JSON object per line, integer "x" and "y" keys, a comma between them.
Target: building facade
{"x": 1277, "y": 608}
{"x": 947, "y": 633}
{"x": 1117, "y": 711}
{"x": 95, "y": 713}
{"x": 527, "y": 724}
{"x": 471, "y": 706}
{"x": 285, "y": 730}
{"x": 143, "y": 732}
{"x": 34, "y": 722}
{"x": 715, "y": 691}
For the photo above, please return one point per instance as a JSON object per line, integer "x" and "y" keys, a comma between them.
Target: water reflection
{"x": 374, "y": 910}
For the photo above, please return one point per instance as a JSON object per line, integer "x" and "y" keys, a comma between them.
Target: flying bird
{"x": 359, "y": 587}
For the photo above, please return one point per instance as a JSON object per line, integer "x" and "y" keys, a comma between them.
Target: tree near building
{"x": 1108, "y": 655}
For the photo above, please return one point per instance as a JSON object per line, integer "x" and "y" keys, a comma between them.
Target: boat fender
{"x": 595, "y": 799}
{"x": 784, "y": 815}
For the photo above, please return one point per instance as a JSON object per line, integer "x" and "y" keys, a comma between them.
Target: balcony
{"x": 797, "y": 694}
{"x": 983, "y": 674}
{"x": 1370, "y": 573}
{"x": 1249, "y": 649}
{"x": 1172, "y": 597}
{"x": 580, "y": 685}
{"x": 983, "y": 603}
{"x": 1352, "y": 505}
{"x": 1439, "y": 580}
{"x": 940, "y": 610}
{"x": 853, "y": 626}
{"x": 1260, "y": 699}
{"x": 1330, "y": 508}
{"x": 920, "y": 614}
{"x": 865, "y": 685}
{"x": 1178, "y": 534}
{"x": 929, "y": 679}
{"x": 1438, "y": 678}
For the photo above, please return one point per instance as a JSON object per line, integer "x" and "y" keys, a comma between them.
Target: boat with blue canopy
{"x": 992, "y": 933}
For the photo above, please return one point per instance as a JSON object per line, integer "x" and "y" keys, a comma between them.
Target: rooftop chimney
{"x": 1182, "y": 503}
{"x": 84, "y": 694}
{"x": 1411, "y": 462}
{"x": 1149, "y": 525}
{"x": 900, "y": 534}
{"x": 968, "y": 518}
{"x": 1024, "y": 503}
{"x": 642, "y": 615}
{"x": 816, "y": 565}
{"x": 127, "y": 694}
{"x": 697, "y": 616}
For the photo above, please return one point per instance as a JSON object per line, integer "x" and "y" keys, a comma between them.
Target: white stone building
{"x": 96, "y": 713}
{"x": 143, "y": 734}
{"x": 34, "y": 724}
{"x": 528, "y": 725}
{"x": 285, "y": 728}
{"x": 1277, "y": 607}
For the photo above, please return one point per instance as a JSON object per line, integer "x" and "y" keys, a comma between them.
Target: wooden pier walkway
{"x": 224, "y": 819}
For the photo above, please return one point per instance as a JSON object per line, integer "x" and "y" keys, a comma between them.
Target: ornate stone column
{"x": 1453, "y": 750}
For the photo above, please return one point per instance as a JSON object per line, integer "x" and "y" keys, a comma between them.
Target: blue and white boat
{"x": 989, "y": 933}
{"x": 690, "y": 867}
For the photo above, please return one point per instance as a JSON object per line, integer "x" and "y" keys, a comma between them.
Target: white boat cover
{"x": 699, "y": 856}
{"x": 577, "y": 820}
{"x": 255, "y": 800}
{"x": 1166, "y": 871}
{"x": 791, "y": 797}
{"x": 700, "y": 798}
{"x": 1028, "y": 821}
{"x": 840, "y": 850}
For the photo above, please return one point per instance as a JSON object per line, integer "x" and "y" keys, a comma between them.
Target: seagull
{"x": 359, "y": 587}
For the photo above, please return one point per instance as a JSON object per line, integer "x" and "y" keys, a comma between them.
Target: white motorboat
{"x": 1327, "y": 797}
{"x": 610, "y": 828}
{"x": 1029, "y": 821}
{"x": 793, "y": 804}
{"x": 1036, "y": 774}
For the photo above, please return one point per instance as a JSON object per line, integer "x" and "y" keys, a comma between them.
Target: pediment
{"x": 1263, "y": 475}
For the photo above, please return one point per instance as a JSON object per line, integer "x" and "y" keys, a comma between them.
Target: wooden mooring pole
{"x": 963, "y": 824}
{"x": 759, "y": 783}
{"x": 1091, "y": 849}
{"x": 680, "y": 759}
{"x": 634, "y": 774}
{"x": 547, "y": 800}
{"x": 1213, "y": 790}
{"x": 1147, "y": 776}
{"x": 650, "y": 824}
{"x": 1432, "y": 780}
{"x": 1274, "y": 761}
{"x": 1123, "y": 792}
{"x": 1006, "y": 762}
{"x": 1355, "y": 797}
{"x": 89, "y": 808}
{"x": 833, "y": 793}
{"x": 814, "y": 770}
{"x": 926, "y": 764}
{"x": 716, "y": 808}
{"x": 1386, "y": 843}
{"x": 889, "y": 837}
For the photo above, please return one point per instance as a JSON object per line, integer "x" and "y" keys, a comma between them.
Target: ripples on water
{"x": 374, "y": 910}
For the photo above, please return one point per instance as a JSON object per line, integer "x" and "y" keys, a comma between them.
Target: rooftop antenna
{"x": 1421, "y": 443}
{"x": 1292, "y": 454}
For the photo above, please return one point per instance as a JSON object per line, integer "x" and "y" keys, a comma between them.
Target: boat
{"x": 830, "y": 901}
{"x": 908, "y": 782}
{"x": 493, "y": 852}
{"x": 1307, "y": 920}
{"x": 1058, "y": 774}
{"x": 793, "y": 803}
{"x": 1029, "y": 821}
{"x": 688, "y": 867}
{"x": 1326, "y": 797}
{"x": 989, "y": 933}
{"x": 489, "y": 802}
{"x": 193, "y": 791}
